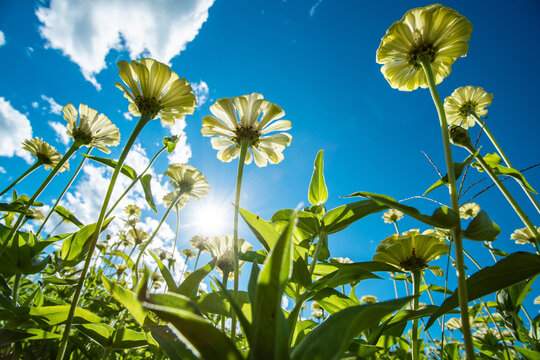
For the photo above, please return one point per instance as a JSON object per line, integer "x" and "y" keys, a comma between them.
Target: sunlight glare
{"x": 211, "y": 219}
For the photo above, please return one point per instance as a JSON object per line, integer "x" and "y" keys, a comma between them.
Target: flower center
{"x": 422, "y": 51}
{"x": 148, "y": 106}
{"x": 246, "y": 134}
{"x": 413, "y": 263}
{"x": 185, "y": 186}
{"x": 80, "y": 134}
{"x": 467, "y": 108}
{"x": 44, "y": 159}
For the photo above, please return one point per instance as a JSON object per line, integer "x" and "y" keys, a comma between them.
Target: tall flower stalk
{"x": 154, "y": 91}
{"x": 418, "y": 51}
{"x": 241, "y": 134}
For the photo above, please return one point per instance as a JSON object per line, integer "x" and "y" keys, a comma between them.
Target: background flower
{"x": 189, "y": 180}
{"x": 464, "y": 102}
{"x": 44, "y": 153}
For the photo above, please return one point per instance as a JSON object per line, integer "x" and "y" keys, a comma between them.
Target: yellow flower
{"x": 221, "y": 249}
{"x": 188, "y": 253}
{"x": 44, "y": 153}
{"x": 464, "y": 102}
{"x": 523, "y": 236}
{"x": 411, "y": 251}
{"x": 92, "y": 129}
{"x": 132, "y": 211}
{"x": 156, "y": 91}
{"x": 237, "y": 119}
{"x": 434, "y": 33}
{"x": 189, "y": 180}
{"x": 168, "y": 199}
{"x": 469, "y": 210}
{"x": 199, "y": 242}
{"x": 369, "y": 299}
{"x": 138, "y": 236}
{"x": 392, "y": 215}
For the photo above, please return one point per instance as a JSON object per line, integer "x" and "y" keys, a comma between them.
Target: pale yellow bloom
{"x": 156, "y": 91}
{"x": 469, "y": 210}
{"x": 199, "y": 242}
{"x": 237, "y": 120}
{"x": 221, "y": 249}
{"x": 188, "y": 180}
{"x": 168, "y": 199}
{"x": 188, "y": 253}
{"x": 464, "y": 102}
{"x": 369, "y": 299}
{"x": 392, "y": 215}
{"x": 434, "y": 33}
{"x": 44, "y": 153}
{"x": 133, "y": 211}
{"x": 523, "y": 236}
{"x": 91, "y": 129}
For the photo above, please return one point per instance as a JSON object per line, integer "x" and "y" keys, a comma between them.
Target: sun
{"x": 210, "y": 218}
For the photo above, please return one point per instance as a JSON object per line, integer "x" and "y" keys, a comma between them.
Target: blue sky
{"x": 314, "y": 58}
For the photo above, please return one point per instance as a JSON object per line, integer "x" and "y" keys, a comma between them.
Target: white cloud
{"x": 35, "y": 104}
{"x": 128, "y": 116}
{"x": 314, "y": 7}
{"x": 201, "y": 92}
{"x": 2, "y": 170}
{"x": 18, "y": 127}
{"x": 2, "y": 39}
{"x": 86, "y": 31}
{"x": 54, "y": 107}
{"x": 60, "y": 130}
{"x": 182, "y": 152}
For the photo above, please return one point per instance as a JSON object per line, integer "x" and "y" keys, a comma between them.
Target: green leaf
{"x": 190, "y": 285}
{"x": 341, "y": 217}
{"x": 333, "y": 301}
{"x": 202, "y": 336}
{"x": 100, "y": 333}
{"x": 166, "y": 274}
{"x": 331, "y": 339}
{"x": 270, "y": 336}
{"x": 494, "y": 160}
{"x": 168, "y": 342}
{"x": 442, "y": 217}
{"x": 67, "y": 215}
{"x": 130, "y": 263}
{"x": 129, "y": 300}
{"x": 307, "y": 221}
{"x": 263, "y": 231}
{"x": 145, "y": 182}
{"x": 126, "y": 170}
{"x": 482, "y": 228}
{"x": 346, "y": 274}
{"x": 508, "y": 271}
{"x": 128, "y": 339}
{"x": 318, "y": 193}
{"x": 527, "y": 354}
{"x": 11, "y": 336}
{"x": 75, "y": 248}
{"x": 237, "y": 307}
{"x": 458, "y": 169}
{"x": 55, "y": 315}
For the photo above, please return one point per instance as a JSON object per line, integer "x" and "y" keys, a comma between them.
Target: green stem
{"x": 169, "y": 209}
{"x": 30, "y": 202}
{"x": 197, "y": 260}
{"x": 176, "y": 232}
{"x": 63, "y": 345}
{"x": 24, "y": 174}
{"x": 322, "y": 237}
{"x": 241, "y": 160}
{"x": 417, "y": 279}
{"x": 456, "y": 232}
{"x": 55, "y": 227}
{"x": 224, "y": 281}
{"x": 504, "y": 157}
{"x": 64, "y": 191}
{"x": 134, "y": 182}
{"x": 508, "y": 197}
{"x": 15, "y": 291}
{"x": 395, "y": 284}
{"x": 397, "y": 228}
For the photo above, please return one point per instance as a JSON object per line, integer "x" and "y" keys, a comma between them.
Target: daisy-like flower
{"x": 188, "y": 180}
{"x": 162, "y": 254}
{"x": 411, "y": 251}
{"x": 44, "y": 153}
{"x": 199, "y": 242}
{"x": 169, "y": 198}
{"x": 138, "y": 236}
{"x": 132, "y": 211}
{"x": 221, "y": 249}
{"x": 155, "y": 91}
{"x": 392, "y": 215}
{"x": 342, "y": 260}
{"x": 464, "y": 102}
{"x": 35, "y": 215}
{"x": 120, "y": 269}
{"x": 236, "y": 120}
{"x": 369, "y": 299}
{"x": 188, "y": 253}
{"x": 469, "y": 210}
{"x": 523, "y": 236}
{"x": 91, "y": 129}
{"x": 435, "y": 33}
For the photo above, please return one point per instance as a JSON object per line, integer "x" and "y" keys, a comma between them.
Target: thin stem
{"x": 417, "y": 278}
{"x": 30, "y": 202}
{"x": 397, "y": 228}
{"x": 176, "y": 231}
{"x": 55, "y": 227}
{"x": 322, "y": 237}
{"x": 24, "y": 174}
{"x": 169, "y": 209}
{"x": 456, "y": 232}
{"x": 63, "y": 345}
{"x": 241, "y": 160}
{"x": 15, "y": 291}
{"x": 508, "y": 197}
{"x": 197, "y": 260}
{"x": 504, "y": 157}
{"x": 134, "y": 182}
{"x": 64, "y": 191}
{"x": 224, "y": 281}
{"x": 395, "y": 285}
